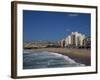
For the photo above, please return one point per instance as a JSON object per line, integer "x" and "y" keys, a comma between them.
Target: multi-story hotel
{"x": 67, "y": 41}
{"x": 75, "y": 39}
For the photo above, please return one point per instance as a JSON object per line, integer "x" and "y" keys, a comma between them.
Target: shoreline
{"x": 82, "y": 56}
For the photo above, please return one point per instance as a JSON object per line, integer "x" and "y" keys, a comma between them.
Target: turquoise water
{"x": 45, "y": 59}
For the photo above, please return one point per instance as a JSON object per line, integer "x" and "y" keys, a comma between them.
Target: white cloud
{"x": 73, "y": 15}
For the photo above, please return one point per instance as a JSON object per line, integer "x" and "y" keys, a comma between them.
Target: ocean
{"x": 45, "y": 59}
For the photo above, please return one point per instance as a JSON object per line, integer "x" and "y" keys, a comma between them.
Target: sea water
{"x": 45, "y": 59}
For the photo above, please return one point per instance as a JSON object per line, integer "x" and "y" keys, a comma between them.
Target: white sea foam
{"x": 65, "y": 57}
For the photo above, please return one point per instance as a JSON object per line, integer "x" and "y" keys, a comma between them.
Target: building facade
{"x": 75, "y": 39}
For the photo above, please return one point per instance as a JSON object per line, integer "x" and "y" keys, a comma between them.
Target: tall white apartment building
{"x": 68, "y": 41}
{"x": 62, "y": 43}
{"x": 75, "y": 39}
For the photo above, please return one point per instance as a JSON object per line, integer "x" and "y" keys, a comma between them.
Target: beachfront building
{"x": 75, "y": 39}
{"x": 78, "y": 41}
{"x": 62, "y": 43}
{"x": 87, "y": 42}
{"x": 68, "y": 41}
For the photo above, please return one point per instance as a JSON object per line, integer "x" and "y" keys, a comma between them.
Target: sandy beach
{"x": 79, "y": 55}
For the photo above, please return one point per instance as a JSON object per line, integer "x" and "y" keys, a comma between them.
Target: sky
{"x": 47, "y": 25}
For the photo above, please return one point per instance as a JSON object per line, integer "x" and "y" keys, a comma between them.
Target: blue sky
{"x": 47, "y": 25}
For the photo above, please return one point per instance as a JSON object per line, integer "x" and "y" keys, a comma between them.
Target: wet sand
{"x": 79, "y": 55}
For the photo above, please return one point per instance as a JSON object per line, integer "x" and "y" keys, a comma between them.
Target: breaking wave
{"x": 45, "y": 59}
